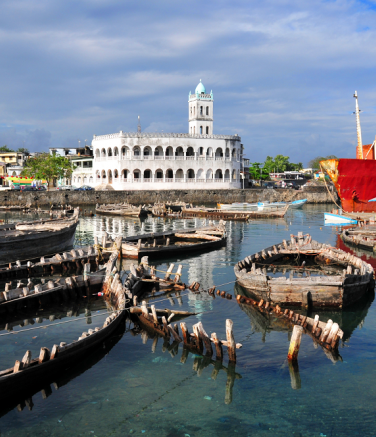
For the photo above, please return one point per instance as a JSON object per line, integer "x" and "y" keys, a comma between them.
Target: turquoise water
{"x": 126, "y": 389}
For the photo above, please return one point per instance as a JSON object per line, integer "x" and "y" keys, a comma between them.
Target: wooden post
{"x": 231, "y": 346}
{"x": 154, "y": 345}
{"x": 178, "y": 273}
{"x": 154, "y": 312}
{"x": 199, "y": 345}
{"x": 332, "y": 333}
{"x": 44, "y": 355}
{"x": 134, "y": 301}
{"x": 185, "y": 332}
{"x": 315, "y": 323}
{"x": 26, "y": 359}
{"x": 144, "y": 310}
{"x": 295, "y": 343}
{"x": 169, "y": 271}
{"x": 326, "y": 331}
{"x": 218, "y": 347}
{"x": 206, "y": 340}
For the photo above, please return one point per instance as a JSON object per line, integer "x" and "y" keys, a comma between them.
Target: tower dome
{"x": 200, "y": 89}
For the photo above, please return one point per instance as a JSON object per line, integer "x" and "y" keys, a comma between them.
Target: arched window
{"x": 179, "y": 151}
{"x": 147, "y": 175}
{"x": 97, "y": 153}
{"x": 209, "y": 174}
{"x": 190, "y": 174}
{"x": 148, "y": 152}
{"x": 200, "y": 174}
{"x": 136, "y": 151}
{"x": 190, "y": 109}
{"x": 109, "y": 176}
{"x": 227, "y": 152}
{"x": 158, "y": 175}
{"x": 125, "y": 151}
{"x": 125, "y": 174}
{"x": 234, "y": 175}
{"x": 200, "y": 130}
{"x": 116, "y": 151}
{"x": 169, "y": 151}
{"x": 207, "y": 110}
{"x": 207, "y": 130}
{"x": 137, "y": 175}
{"x": 227, "y": 175}
{"x": 190, "y": 152}
{"x": 116, "y": 174}
{"x": 103, "y": 174}
{"x": 209, "y": 152}
{"x": 158, "y": 152}
{"x": 109, "y": 151}
{"x": 219, "y": 152}
{"x": 103, "y": 153}
{"x": 97, "y": 173}
{"x": 201, "y": 110}
{"x": 219, "y": 174}
{"x": 234, "y": 153}
{"x": 169, "y": 174}
{"x": 179, "y": 175}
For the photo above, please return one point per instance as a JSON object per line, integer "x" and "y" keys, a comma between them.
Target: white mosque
{"x": 194, "y": 160}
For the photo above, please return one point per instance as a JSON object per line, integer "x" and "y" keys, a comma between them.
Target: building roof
{"x": 200, "y": 89}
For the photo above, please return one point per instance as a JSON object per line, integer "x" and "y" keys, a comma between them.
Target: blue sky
{"x": 282, "y": 72}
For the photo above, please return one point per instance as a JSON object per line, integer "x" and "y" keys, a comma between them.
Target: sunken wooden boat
{"x": 214, "y": 213}
{"x": 341, "y": 278}
{"x": 27, "y": 371}
{"x": 174, "y": 242}
{"x": 363, "y": 237}
{"x": 32, "y": 239}
{"x": 122, "y": 209}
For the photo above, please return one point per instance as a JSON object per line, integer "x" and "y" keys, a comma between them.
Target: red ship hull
{"x": 355, "y": 181}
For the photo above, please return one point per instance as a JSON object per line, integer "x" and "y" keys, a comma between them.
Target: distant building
{"x": 11, "y": 163}
{"x": 83, "y": 174}
{"x": 197, "y": 160}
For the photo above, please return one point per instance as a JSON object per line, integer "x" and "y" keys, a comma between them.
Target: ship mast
{"x": 358, "y": 130}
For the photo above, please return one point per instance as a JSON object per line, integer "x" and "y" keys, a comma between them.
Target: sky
{"x": 283, "y": 73}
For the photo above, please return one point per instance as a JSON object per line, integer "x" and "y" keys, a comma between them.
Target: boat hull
{"x": 33, "y": 245}
{"x": 337, "y": 219}
{"x": 355, "y": 182}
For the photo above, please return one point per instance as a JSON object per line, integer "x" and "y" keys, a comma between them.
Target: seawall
{"x": 47, "y": 198}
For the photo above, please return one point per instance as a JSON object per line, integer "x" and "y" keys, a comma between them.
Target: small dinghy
{"x": 324, "y": 276}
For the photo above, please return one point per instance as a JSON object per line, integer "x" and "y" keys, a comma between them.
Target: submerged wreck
{"x": 363, "y": 236}
{"x": 122, "y": 209}
{"x": 171, "y": 242}
{"x": 326, "y": 276}
{"x": 36, "y": 238}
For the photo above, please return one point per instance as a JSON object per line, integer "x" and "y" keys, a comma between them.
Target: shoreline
{"x": 315, "y": 195}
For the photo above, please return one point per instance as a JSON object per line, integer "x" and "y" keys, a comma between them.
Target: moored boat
{"x": 36, "y": 238}
{"x": 122, "y": 209}
{"x": 338, "y": 219}
{"x": 172, "y": 243}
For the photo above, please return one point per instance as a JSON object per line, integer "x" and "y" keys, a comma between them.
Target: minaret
{"x": 359, "y": 153}
{"x": 139, "y": 125}
{"x": 200, "y": 111}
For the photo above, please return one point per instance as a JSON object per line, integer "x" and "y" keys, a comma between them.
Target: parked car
{"x": 269, "y": 185}
{"x": 28, "y": 188}
{"x": 16, "y": 188}
{"x": 292, "y": 184}
{"x": 41, "y": 188}
{"x": 84, "y": 188}
{"x": 66, "y": 188}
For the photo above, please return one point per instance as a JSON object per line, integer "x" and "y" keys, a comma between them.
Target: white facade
{"x": 142, "y": 161}
{"x": 83, "y": 174}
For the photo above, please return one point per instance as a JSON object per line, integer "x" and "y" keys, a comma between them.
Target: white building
{"x": 197, "y": 160}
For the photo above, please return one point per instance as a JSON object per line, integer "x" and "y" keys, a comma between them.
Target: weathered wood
{"x": 198, "y": 339}
{"x": 218, "y": 346}
{"x": 231, "y": 348}
{"x": 295, "y": 343}
{"x": 185, "y": 333}
{"x": 169, "y": 271}
{"x": 206, "y": 340}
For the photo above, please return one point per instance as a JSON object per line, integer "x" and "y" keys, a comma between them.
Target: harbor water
{"x": 127, "y": 389}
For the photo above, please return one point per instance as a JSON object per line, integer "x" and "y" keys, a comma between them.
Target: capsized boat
{"x": 325, "y": 276}
{"x": 33, "y": 239}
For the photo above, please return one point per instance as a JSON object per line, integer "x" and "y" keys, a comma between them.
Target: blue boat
{"x": 338, "y": 219}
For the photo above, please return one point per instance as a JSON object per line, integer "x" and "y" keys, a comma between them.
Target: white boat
{"x": 237, "y": 206}
{"x": 298, "y": 203}
{"x": 338, "y": 219}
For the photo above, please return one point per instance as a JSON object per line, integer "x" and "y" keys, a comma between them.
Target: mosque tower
{"x": 200, "y": 111}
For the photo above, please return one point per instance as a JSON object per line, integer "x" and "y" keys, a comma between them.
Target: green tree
{"x": 5, "y": 149}
{"x": 279, "y": 164}
{"x": 23, "y": 150}
{"x": 315, "y": 162}
{"x": 49, "y": 167}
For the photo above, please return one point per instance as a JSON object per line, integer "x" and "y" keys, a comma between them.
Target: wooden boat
{"x": 297, "y": 204}
{"x": 32, "y": 239}
{"x": 363, "y": 237}
{"x": 213, "y": 213}
{"x": 174, "y": 242}
{"x": 332, "y": 287}
{"x": 27, "y": 372}
{"x": 266, "y": 205}
{"x": 122, "y": 209}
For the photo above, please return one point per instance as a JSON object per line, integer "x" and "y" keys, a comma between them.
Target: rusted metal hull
{"x": 355, "y": 182}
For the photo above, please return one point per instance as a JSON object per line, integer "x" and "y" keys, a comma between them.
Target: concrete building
{"x": 199, "y": 159}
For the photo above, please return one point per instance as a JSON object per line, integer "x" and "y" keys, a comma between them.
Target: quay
{"x": 313, "y": 195}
